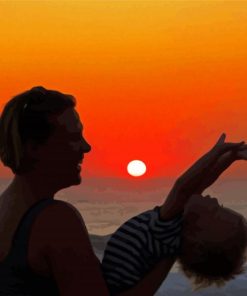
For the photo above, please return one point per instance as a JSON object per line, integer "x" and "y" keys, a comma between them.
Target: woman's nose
{"x": 85, "y": 146}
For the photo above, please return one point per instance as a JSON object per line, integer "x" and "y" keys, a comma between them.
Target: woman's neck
{"x": 27, "y": 190}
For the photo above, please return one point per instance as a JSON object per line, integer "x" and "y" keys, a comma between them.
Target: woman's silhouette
{"x": 45, "y": 247}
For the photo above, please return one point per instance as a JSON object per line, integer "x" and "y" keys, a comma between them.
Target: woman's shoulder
{"x": 60, "y": 208}
{"x": 64, "y": 243}
{"x": 57, "y": 222}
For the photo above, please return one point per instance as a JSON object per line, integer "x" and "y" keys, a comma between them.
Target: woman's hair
{"x": 26, "y": 117}
{"x": 216, "y": 264}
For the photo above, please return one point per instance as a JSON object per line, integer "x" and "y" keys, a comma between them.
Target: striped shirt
{"x": 137, "y": 246}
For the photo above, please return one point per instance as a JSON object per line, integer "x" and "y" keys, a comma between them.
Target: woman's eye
{"x": 76, "y": 138}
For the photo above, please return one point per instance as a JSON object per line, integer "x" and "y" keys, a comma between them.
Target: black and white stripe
{"x": 136, "y": 246}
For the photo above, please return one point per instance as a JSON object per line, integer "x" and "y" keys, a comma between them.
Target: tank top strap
{"x": 22, "y": 233}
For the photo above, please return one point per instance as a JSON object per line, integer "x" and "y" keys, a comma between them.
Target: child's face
{"x": 205, "y": 221}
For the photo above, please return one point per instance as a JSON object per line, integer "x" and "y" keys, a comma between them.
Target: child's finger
{"x": 218, "y": 151}
{"x": 221, "y": 139}
{"x": 242, "y": 154}
{"x": 230, "y": 145}
{"x": 243, "y": 147}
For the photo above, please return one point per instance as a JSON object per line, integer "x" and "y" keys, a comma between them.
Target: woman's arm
{"x": 152, "y": 281}
{"x": 66, "y": 247}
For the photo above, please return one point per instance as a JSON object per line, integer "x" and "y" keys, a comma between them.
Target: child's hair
{"x": 27, "y": 117}
{"x": 215, "y": 264}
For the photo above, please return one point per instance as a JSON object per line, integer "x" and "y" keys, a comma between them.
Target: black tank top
{"x": 16, "y": 276}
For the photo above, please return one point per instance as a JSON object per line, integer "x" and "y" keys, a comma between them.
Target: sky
{"x": 157, "y": 81}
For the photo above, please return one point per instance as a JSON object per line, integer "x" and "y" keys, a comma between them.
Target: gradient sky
{"x": 154, "y": 80}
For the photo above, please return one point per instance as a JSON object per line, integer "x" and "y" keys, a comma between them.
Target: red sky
{"x": 154, "y": 80}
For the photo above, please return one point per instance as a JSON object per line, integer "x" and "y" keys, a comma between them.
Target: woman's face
{"x": 207, "y": 221}
{"x": 62, "y": 155}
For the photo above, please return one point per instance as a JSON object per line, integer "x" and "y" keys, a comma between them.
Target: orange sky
{"x": 154, "y": 80}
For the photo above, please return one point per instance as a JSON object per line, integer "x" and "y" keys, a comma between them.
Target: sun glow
{"x": 136, "y": 168}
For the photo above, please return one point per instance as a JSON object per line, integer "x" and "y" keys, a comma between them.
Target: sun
{"x": 136, "y": 168}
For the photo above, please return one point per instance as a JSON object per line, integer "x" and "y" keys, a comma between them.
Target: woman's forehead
{"x": 69, "y": 121}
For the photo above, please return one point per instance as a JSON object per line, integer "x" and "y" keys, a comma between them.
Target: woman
{"x": 45, "y": 248}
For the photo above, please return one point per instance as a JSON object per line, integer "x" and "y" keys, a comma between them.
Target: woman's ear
{"x": 32, "y": 149}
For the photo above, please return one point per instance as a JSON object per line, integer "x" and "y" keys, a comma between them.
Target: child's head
{"x": 214, "y": 242}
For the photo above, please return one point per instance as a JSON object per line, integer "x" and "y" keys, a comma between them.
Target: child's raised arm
{"x": 203, "y": 173}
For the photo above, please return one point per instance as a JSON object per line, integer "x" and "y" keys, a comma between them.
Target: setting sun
{"x": 136, "y": 168}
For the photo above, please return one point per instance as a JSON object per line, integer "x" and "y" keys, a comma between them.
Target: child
{"x": 145, "y": 239}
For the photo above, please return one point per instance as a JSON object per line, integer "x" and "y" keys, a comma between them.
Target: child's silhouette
{"x": 213, "y": 239}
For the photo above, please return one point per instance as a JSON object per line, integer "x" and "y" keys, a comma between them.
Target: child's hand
{"x": 203, "y": 173}
{"x": 189, "y": 182}
{"x": 242, "y": 153}
{"x": 223, "y": 162}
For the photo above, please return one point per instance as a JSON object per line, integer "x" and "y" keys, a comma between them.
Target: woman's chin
{"x": 71, "y": 180}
